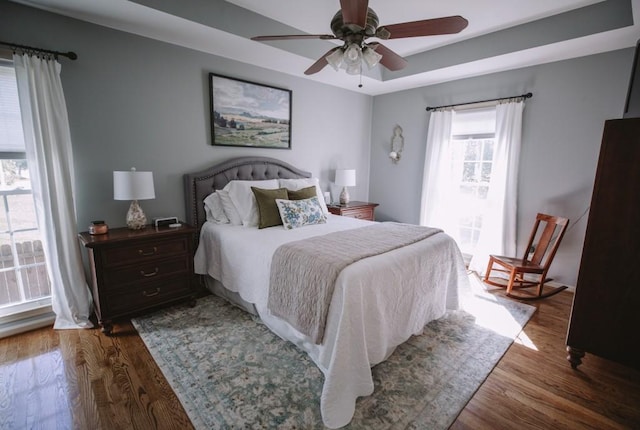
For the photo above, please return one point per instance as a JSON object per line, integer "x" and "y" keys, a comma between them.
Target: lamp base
{"x": 344, "y": 196}
{"x": 136, "y": 219}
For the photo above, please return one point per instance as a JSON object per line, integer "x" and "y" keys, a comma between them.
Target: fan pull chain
{"x": 360, "y": 84}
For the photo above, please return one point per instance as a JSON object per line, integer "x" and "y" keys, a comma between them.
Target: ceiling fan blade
{"x": 295, "y": 36}
{"x": 390, "y": 59}
{"x": 322, "y": 61}
{"x": 427, "y": 27}
{"x": 354, "y": 12}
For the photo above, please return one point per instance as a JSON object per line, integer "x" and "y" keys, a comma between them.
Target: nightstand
{"x": 135, "y": 270}
{"x": 360, "y": 210}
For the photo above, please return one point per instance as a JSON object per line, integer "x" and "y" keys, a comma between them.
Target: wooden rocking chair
{"x": 533, "y": 265}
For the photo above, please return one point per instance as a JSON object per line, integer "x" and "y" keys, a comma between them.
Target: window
{"x": 472, "y": 142}
{"x": 469, "y": 186}
{"x": 24, "y": 283}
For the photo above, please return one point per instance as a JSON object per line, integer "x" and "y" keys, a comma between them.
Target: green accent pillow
{"x": 269, "y": 215}
{"x": 303, "y": 193}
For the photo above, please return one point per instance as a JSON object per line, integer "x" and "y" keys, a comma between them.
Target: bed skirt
{"x": 216, "y": 287}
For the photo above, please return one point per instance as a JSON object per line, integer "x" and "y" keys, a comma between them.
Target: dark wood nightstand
{"x": 360, "y": 210}
{"x": 135, "y": 270}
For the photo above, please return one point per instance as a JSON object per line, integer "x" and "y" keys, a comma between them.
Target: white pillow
{"x": 229, "y": 208}
{"x": 297, "y": 184}
{"x": 244, "y": 200}
{"x": 298, "y": 213}
{"x": 214, "y": 209}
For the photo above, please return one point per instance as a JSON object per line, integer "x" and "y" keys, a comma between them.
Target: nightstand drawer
{"x": 141, "y": 296}
{"x": 360, "y": 213}
{"x": 147, "y": 271}
{"x": 144, "y": 251}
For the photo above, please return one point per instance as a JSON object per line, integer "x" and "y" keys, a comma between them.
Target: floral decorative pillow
{"x": 298, "y": 213}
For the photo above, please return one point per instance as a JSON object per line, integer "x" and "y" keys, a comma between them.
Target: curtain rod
{"x": 524, "y": 96}
{"x": 70, "y": 55}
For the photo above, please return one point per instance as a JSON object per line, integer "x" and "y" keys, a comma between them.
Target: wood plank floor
{"x": 82, "y": 379}
{"x": 534, "y": 387}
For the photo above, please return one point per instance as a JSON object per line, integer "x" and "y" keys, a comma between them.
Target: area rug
{"x": 230, "y": 371}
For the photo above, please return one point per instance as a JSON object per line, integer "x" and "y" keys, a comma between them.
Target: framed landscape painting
{"x": 248, "y": 114}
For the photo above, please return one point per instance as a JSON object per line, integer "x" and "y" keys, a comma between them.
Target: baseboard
{"x": 571, "y": 288}
{"x": 26, "y": 324}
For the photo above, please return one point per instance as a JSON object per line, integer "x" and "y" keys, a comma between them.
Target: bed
{"x": 377, "y": 302}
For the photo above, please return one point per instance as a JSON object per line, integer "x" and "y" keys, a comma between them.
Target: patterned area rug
{"x": 230, "y": 371}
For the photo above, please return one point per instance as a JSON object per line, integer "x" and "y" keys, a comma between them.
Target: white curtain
{"x": 437, "y": 186}
{"x": 498, "y": 233}
{"x": 50, "y": 161}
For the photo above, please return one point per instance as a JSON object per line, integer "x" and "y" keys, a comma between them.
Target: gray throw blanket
{"x": 304, "y": 272}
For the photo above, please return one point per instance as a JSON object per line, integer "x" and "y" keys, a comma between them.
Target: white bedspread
{"x": 378, "y": 303}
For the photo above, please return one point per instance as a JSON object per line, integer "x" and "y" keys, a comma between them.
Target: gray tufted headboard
{"x": 199, "y": 185}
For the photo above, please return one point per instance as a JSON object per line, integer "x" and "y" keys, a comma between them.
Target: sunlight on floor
{"x": 495, "y": 318}
{"x": 526, "y": 341}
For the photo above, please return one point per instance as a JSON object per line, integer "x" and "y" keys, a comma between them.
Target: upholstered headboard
{"x": 200, "y": 184}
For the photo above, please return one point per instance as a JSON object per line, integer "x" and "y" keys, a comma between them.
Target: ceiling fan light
{"x": 352, "y": 55}
{"x": 354, "y": 69}
{"x": 335, "y": 59}
{"x": 371, "y": 57}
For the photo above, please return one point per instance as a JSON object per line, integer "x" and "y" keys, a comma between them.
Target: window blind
{"x": 11, "y": 135}
{"x": 474, "y": 122}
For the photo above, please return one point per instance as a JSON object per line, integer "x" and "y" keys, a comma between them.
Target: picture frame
{"x": 248, "y": 114}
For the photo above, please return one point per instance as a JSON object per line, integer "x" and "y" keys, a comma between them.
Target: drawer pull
{"x": 147, "y": 275}
{"x": 148, "y": 253}
{"x": 151, "y": 294}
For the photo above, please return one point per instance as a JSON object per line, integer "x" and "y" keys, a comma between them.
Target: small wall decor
{"x": 248, "y": 114}
{"x": 397, "y": 144}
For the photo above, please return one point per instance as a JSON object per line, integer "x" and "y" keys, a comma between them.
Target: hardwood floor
{"x": 534, "y": 387}
{"x": 83, "y": 379}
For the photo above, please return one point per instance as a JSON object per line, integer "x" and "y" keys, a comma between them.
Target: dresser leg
{"x": 575, "y": 356}
{"x": 107, "y": 327}
{"x": 192, "y": 302}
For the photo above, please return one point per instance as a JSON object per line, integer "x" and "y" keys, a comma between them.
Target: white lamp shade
{"x": 335, "y": 59}
{"x": 346, "y": 178}
{"x": 370, "y": 57}
{"x": 133, "y": 185}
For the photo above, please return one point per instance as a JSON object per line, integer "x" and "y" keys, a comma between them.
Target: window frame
{"x": 471, "y": 232}
{"x": 12, "y": 313}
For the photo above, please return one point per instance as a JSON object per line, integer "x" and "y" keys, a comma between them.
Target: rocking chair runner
{"x": 537, "y": 264}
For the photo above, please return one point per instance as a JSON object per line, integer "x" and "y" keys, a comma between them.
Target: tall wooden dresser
{"x": 605, "y": 317}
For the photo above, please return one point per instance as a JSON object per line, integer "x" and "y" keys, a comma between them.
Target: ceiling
{"x": 499, "y": 36}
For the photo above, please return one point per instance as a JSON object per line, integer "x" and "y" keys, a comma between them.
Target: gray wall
{"x": 138, "y": 102}
{"x": 134, "y": 101}
{"x": 562, "y": 130}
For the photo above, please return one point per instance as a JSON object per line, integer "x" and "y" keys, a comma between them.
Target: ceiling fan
{"x": 354, "y": 23}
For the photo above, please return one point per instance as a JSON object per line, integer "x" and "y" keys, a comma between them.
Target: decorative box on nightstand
{"x": 361, "y": 210}
{"x": 135, "y": 270}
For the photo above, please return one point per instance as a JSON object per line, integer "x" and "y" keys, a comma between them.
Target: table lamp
{"x": 345, "y": 178}
{"x": 133, "y": 185}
